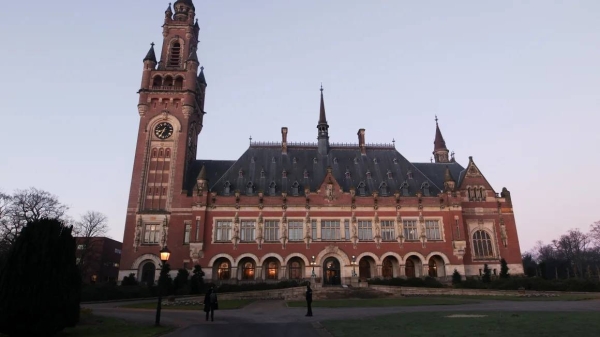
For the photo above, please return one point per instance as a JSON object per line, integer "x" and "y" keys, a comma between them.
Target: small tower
{"x": 323, "y": 127}
{"x": 449, "y": 182}
{"x": 440, "y": 152}
{"x": 184, "y": 11}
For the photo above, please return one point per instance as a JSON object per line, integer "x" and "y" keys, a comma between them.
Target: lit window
{"x": 223, "y": 272}
{"x": 80, "y": 247}
{"x": 117, "y": 251}
{"x": 248, "y": 271}
{"x": 272, "y": 271}
{"x": 186, "y": 233}
{"x": 152, "y": 234}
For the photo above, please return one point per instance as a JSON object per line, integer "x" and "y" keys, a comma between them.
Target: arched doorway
{"x": 295, "y": 268}
{"x": 432, "y": 268}
{"x": 148, "y": 273}
{"x": 413, "y": 267}
{"x": 222, "y": 269}
{"x": 271, "y": 268}
{"x": 437, "y": 267}
{"x": 387, "y": 267}
{"x": 247, "y": 267}
{"x": 365, "y": 268}
{"x": 331, "y": 275}
{"x": 409, "y": 268}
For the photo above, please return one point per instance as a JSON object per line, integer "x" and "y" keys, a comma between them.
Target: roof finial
{"x": 152, "y": 44}
{"x": 431, "y": 159}
{"x": 394, "y": 141}
{"x": 250, "y": 140}
{"x": 321, "y": 86}
{"x": 436, "y": 119}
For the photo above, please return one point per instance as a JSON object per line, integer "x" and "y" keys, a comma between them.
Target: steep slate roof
{"x": 378, "y": 161}
{"x": 214, "y": 170}
{"x": 436, "y": 172}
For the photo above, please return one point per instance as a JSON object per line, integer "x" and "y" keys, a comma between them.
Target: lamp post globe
{"x": 165, "y": 254}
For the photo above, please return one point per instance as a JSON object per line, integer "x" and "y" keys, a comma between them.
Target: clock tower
{"x": 171, "y": 109}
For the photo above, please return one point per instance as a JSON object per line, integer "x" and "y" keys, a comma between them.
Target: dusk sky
{"x": 515, "y": 84}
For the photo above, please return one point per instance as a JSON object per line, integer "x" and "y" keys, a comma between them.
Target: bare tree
{"x": 595, "y": 233}
{"x": 24, "y": 206}
{"x": 88, "y": 229}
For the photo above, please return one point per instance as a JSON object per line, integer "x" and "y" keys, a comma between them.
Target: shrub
{"x": 456, "y": 278}
{"x": 428, "y": 282}
{"x": 197, "y": 281}
{"x": 40, "y": 284}
{"x": 504, "y": 269}
{"x": 487, "y": 274}
{"x": 165, "y": 282}
{"x": 129, "y": 280}
{"x": 181, "y": 280}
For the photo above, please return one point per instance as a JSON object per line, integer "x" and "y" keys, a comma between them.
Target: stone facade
{"x": 284, "y": 210}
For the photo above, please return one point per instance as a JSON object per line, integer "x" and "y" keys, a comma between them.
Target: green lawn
{"x": 565, "y": 297}
{"x": 492, "y": 325}
{"x": 384, "y": 302}
{"x": 223, "y": 305}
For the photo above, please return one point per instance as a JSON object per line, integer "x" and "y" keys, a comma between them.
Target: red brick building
{"x": 99, "y": 259}
{"x": 284, "y": 209}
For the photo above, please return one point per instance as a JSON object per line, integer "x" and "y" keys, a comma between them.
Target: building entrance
{"x": 331, "y": 272}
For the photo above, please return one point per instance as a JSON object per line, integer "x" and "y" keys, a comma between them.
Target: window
{"x": 388, "y": 232}
{"x": 482, "y": 245}
{"x": 383, "y": 189}
{"x": 361, "y": 189}
{"x": 365, "y": 230}
{"x": 152, "y": 234}
{"x": 80, "y": 247}
{"x": 249, "y": 188}
{"x": 271, "y": 230}
{"x": 432, "y": 230}
{"x": 295, "y": 230}
{"x": 175, "y": 56}
{"x": 410, "y": 230}
{"x": 223, "y": 272}
{"x": 117, "y": 251}
{"x": 313, "y": 227}
{"x": 223, "y": 231}
{"x": 116, "y": 265}
{"x": 227, "y": 188}
{"x": 347, "y": 229}
{"x": 247, "y": 231}
{"x": 330, "y": 230}
{"x": 404, "y": 188}
{"x": 295, "y": 270}
{"x": 295, "y": 188}
{"x": 186, "y": 233}
{"x": 248, "y": 271}
{"x": 272, "y": 187}
{"x": 272, "y": 271}
{"x": 425, "y": 188}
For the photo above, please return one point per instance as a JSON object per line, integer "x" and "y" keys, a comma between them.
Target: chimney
{"x": 361, "y": 142}
{"x": 284, "y": 140}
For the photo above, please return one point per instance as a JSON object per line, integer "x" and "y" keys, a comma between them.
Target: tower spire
{"x": 440, "y": 152}
{"x": 323, "y": 127}
{"x": 151, "y": 56}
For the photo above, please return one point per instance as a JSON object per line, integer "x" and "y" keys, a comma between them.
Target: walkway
{"x": 274, "y": 318}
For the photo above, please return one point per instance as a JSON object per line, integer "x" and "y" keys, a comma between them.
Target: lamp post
{"x": 164, "y": 257}
{"x": 353, "y": 266}
{"x": 313, "y": 263}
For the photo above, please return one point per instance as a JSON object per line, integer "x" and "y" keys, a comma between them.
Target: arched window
{"x": 272, "y": 271}
{"x": 168, "y": 153}
{"x": 161, "y": 153}
{"x": 295, "y": 271}
{"x": 361, "y": 189}
{"x": 249, "y": 188}
{"x": 387, "y": 269}
{"x": 154, "y": 153}
{"x": 227, "y": 188}
{"x": 383, "y": 189}
{"x": 295, "y": 188}
{"x": 248, "y": 271}
{"x": 482, "y": 245}
{"x": 223, "y": 272}
{"x": 157, "y": 81}
{"x": 175, "y": 55}
{"x": 404, "y": 188}
{"x": 168, "y": 82}
{"x": 178, "y": 82}
{"x": 409, "y": 269}
{"x": 272, "y": 186}
{"x": 364, "y": 269}
{"x": 432, "y": 267}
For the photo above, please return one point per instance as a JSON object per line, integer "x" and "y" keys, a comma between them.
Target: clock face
{"x": 163, "y": 130}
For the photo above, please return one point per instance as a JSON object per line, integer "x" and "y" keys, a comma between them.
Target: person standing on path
{"x": 308, "y": 300}
{"x": 210, "y": 303}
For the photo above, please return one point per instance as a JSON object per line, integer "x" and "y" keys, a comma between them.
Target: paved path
{"x": 274, "y": 318}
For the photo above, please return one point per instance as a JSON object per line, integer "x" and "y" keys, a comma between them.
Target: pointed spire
{"x": 151, "y": 56}
{"x": 201, "y": 78}
{"x": 440, "y": 152}
{"x": 449, "y": 182}
{"x": 448, "y": 175}
{"x": 322, "y": 118}
{"x": 169, "y": 11}
{"x": 193, "y": 55}
{"x": 202, "y": 174}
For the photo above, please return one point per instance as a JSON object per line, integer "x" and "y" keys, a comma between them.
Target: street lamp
{"x": 313, "y": 263}
{"x": 353, "y": 266}
{"x": 165, "y": 253}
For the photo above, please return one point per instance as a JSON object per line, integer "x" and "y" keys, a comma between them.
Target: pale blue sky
{"x": 514, "y": 83}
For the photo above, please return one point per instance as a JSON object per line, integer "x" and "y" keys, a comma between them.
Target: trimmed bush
{"x": 456, "y": 278}
{"x": 427, "y": 282}
{"x": 40, "y": 284}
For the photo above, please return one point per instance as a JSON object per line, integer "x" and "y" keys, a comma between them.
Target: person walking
{"x": 210, "y": 303}
{"x": 309, "y": 300}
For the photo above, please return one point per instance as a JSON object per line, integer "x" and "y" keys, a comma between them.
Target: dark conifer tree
{"x": 40, "y": 284}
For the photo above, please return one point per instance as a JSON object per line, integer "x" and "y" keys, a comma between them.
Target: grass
{"x": 223, "y": 305}
{"x": 494, "y": 324}
{"x": 566, "y": 297}
{"x": 97, "y": 326}
{"x": 383, "y": 302}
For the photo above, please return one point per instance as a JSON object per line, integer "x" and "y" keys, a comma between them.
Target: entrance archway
{"x": 331, "y": 272}
{"x": 436, "y": 267}
{"x": 366, "y": 267}
{"x": 148, "y": 273}
{"x": 413, "y": 267}
{"x": 387, "y": 267}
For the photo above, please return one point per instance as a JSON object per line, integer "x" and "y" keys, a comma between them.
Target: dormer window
{"x": 335, "y": 160}
{"x": 383, "y": 189}
{"x": 262, "y": 173}
{"x": 240, "y": 173}
{"x": 409, "y": 174}
{"x": 425, "y": 189}
{"x": 368, "y": 174}
{"x": 272, "y": 187}
{"x": 315, "y": 160}
{"x": 294, "y": 160}
{"x": 273, "y": 160}
{"x": 404, "y": 189}
{"x": 295, "y": 188}
{"x": 348, "y": 175}
{"x": 374, "y": 160}
{"x": 395, "y": 161}
{"x": 249, "y": 188}
{"x": 390, "y": 175}
{"x": 355, "y": 160}
{"x": 305, "y": 174}
{"x": 227, "y": 188}
{"x": 361, "y": 189}
{"x": 252, "y": 159}
{"x": 284, "y": 174}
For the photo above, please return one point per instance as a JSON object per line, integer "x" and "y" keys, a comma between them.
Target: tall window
{"x": 388, "y": 233}
{"x": 272, "y": 271}
{"x": 330, "y": 230}
{"x": 410, "y": 230}
{"x": 313, "y": 229}
{"x": 482, "y": 245}
{"x": 248, "y": 271}
{"x": 295, "y": 270}
{"x": 186, "y": 233}
{"x": 224, "y": 271}
{"x": 223, "y": 231}
{"x": 432, "y": 229}
{"x": 295, "y": 230}
{"x": 271, "y": 230}
{"x": 152, "y": 234}
{"x": 247, "y": 231}
{"x": 175, "y": 56}
{"x": 347, "y": 229}
{"x": 365, "y": 230}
